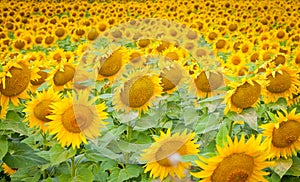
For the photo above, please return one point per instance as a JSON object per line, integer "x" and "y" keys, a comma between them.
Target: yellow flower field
{"x": 187, "y": 90}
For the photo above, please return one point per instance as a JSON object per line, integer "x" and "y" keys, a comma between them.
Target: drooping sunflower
{"x": 172, "y": 75}
{"x": 38, "y": 109}
{"x": 62, "y": 75}
{"x": 236, "y": 161}
{"x": 283, "y": 82}
{"x": 283, "y": 135}
{"x": 74, "y": 119}
{"x": 15, "y": 82}
{"x": 7, "y": 170}
{"x": 244, "y": 94}
{"x": 137, "y": 91}
{"x": 163, "y": 156}
{"x": 206, "y": 83}
{"x": 110, "y": 66}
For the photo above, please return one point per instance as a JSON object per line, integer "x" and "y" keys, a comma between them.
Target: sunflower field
{"x": 138, "y": 91}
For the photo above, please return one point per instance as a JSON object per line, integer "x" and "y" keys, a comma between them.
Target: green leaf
{"x": 31, "y": 174}
{"x": 189, "y": 158}
{"x": 20, "y": 155}
{"x": 14, "y": 125}
{"x": 127, "y": 117}
{"x": 190, "y": 115}
{"x": 249, "y": 116}
{"x": 59, "y": 154}
{"x": 282, "y": 166}
{"x": 222, "y": 134}
{"x": 4, "y": 146}
{"x": 130, "y": 171}
{"x": 295, "y": 168}
{"x": 83, "y": 174}
{"x": 208, "y": 123}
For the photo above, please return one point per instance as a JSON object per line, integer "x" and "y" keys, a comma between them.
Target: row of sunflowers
{"x": 149, "y": 90}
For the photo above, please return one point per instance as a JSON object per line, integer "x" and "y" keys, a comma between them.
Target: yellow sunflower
{"x": 283, "y": 135}
{"x": 244, "y": 94}
{"x": 38, "y": 109}
{"x": 173, "y": 53}
{"x": 62, "y": 75}
{"x": 164, "y": 155}
{"x": 137, "y": 91}
{"x": 15, "y": 82}
{"x": 7, "y": 170}
{"x": 172, "y": 75}
{"x": 236, "y": 161}
{"x": 206, "y": 83}
{"x": 110, "y": 66}
{"x": 76, "y": 119}
{"x": 283, "y": 82}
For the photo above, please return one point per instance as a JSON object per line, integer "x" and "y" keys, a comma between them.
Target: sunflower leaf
{"x": 222, "y": 134}
{"x": 4, "y": 146}
{"x": 249, "y": 116}
{"x": 59, "y": 154}
{"x": 282, "y": 166}
{"x": 294, "y": 170}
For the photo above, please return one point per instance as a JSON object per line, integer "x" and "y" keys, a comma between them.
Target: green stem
{"x": 73, "y": 167}
{"x": 128, "y": 138}
{"x": 230, "y": 128}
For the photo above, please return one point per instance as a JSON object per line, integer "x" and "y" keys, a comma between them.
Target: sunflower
{"x": 49, "y": 40}
{"x": 60, "y": 32}
{"x": 109, "y": 67}
{"x": 173, "y": 53}
{"x": 62, "y": 76}
{"x": 137, "y": 91}
{"x": 236, "y": 161}
{"x": 244, "y": 94}
{"x": 283, "y": 82}
{"x": 172, "y": 75}
{"x": 39, "y": 108}
{"x": 7, "y": 170}
{"x": 15, "y": 81}
{"x": 283, "y": 135}
{"x": 163, "y": 156}
{"x": 221, "y": 45}
{"x": 19, "y": 44}
{"x": 76, "y": 119}
{"x": 206, "y": 83}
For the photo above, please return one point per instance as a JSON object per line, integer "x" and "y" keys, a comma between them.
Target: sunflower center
{"x": 42, "y": 110}
{"x": 16, "y": 84}
{"x": 143, "y": 43}
{"x": 62, "y": 77}
{"x": 297, "y": 60}
{"x": 173, "y": 56}
{"x": 75, "y": 123}
{"x": 245, "y": 49}
{"x": 236, "y": 60}
{"x": 280, "y": 34}
{"x": 170, "y": 78}
{"x": 280, "y": 83}
{"x": 220, "y": 44}
{"x": 165, "y": 154}
{"x": 246, "y": 95}
{"x": 112, "y": 64}
{"x": 254, "y": 57}
{"x": 137, "y": 92}
{"x": 235, "y": 168}
{"x": 41, "y": 80}
{"x": 92, "y": 35}
{"x": 19, "y": 44}
{"x": 279, "y": 59}
{"x": 49, "y": 40}
{"x": 60, "y": 32}
{"x": 287, "y": 133}
{"x": 212, "y": 36}
{"x": 207, "y": 85}
{"x": 135, "y": 57}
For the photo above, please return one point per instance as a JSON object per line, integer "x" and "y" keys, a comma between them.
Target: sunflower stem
{"x": 230, "y": 128}
{"x": 73, "y": 167}
{"x": 129, "y": 130}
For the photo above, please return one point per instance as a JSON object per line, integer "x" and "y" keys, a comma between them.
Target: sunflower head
{"x": 237, "y": 161}
{"x": 163, "y": 156}
{"x": 283, "y": 135}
